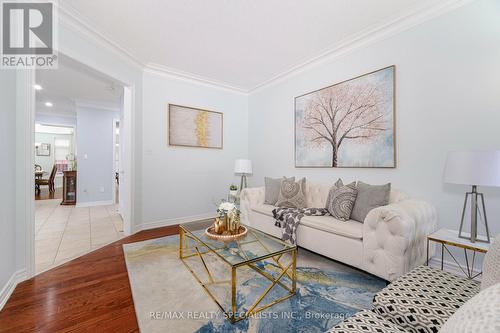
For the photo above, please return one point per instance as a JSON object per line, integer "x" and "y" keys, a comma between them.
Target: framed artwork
{"x": 192, "y": 127}
{"x": 350, "y": 124}
{"x": 42, "y": 149}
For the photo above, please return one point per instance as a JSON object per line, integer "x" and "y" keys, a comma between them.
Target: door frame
{"x": 115, "y": 121}
{"x": 25, "y": 147}
{"x": 25, "y": 160}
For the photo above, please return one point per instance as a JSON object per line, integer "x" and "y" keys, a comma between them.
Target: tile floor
{"x": 66, "y": 232}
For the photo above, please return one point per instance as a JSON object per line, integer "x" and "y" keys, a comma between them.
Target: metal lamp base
{"x": 243, "y": 182}
{"x": 474, "y": 196}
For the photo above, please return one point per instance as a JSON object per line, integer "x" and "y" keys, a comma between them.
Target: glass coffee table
{"x": 215, "y": 266}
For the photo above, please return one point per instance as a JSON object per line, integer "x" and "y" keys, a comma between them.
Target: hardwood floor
{"x": 88, "y": 294}
{"x": 45, "y": 194}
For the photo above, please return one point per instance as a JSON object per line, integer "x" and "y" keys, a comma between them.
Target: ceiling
{"x": 74, "y": 83}
{"x": 239, "y": 43}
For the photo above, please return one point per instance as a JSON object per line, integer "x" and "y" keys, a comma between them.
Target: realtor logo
{"x": 28, "y": 35}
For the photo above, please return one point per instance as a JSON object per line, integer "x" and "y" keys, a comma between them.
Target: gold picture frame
{"x": 194, "y": 127}
{"x": 390, "y": 155}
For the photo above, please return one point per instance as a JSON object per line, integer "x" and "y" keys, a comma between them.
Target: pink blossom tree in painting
{"x": 345, "y": 112}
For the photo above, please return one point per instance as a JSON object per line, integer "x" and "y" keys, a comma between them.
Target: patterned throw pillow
{"x": 341, "y": 200}
{"x": 337, "y": 184}
{"x": 292, "y": 193}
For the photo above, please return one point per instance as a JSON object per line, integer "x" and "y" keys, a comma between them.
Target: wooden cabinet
{"x": 69, "y": 188}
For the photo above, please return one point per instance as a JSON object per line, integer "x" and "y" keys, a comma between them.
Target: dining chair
{"x": 47, "y": 181}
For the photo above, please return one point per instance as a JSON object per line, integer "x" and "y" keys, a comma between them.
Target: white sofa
{"x": 390, "y": 242}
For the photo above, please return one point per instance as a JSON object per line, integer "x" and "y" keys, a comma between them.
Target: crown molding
{"x": 71, "y": 18}
{"x": 367, "y": 37}
{"x": 192, "y": 78}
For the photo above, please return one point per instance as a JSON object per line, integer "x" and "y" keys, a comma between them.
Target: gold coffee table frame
{"x": 288, "y": 269}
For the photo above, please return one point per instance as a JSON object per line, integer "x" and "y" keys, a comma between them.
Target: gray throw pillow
{"x": 292, "y": 193}
{"x": 272, "y": 189}
{"x": 369, "y": 197}
{"x": 341, "y": 200}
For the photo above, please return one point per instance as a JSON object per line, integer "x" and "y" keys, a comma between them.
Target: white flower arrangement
{"x": 226, "y": 207}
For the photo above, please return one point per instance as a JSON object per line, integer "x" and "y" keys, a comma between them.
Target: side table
{"x": 447, "y": 237}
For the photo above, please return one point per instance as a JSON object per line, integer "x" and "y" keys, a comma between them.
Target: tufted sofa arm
{"x": 395, "y": 237}
{"x": 250, "y": 197}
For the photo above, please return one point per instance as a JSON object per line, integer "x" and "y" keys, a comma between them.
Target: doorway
{"x": 55, "y": 148}
{"x": 80, "y": 103}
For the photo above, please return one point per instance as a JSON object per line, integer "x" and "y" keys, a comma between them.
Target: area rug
{"x": 167, "y": 297}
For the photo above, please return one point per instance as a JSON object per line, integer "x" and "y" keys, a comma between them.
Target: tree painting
{"x": 350, "y": 124}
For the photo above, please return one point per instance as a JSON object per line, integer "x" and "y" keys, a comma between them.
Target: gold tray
{"x": 226, "y": 238}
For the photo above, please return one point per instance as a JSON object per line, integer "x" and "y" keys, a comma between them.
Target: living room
{"x": 398, "y": 97}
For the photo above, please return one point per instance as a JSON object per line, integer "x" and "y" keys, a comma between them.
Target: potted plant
{"x": 233, "y": 190}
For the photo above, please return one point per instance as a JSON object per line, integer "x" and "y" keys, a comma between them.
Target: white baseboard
{"x": 94, "y": 203}
{"x": 9, "y": 287}
{"x": 173, "y": 221}
{"x": 452, "y": 267}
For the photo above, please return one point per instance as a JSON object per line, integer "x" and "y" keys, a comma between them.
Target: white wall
{"x": 179, "y": 182}
{"x": 95, "y": 170}
{"x": 447, "y": 98}
{"x": 8, "y": 172}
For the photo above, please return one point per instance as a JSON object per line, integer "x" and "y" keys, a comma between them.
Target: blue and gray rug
{"x": 167, "y": 297}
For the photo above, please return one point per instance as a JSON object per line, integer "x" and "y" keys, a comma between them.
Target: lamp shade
{"x": 243, "y": 166}
{"x": 480, "y": 168}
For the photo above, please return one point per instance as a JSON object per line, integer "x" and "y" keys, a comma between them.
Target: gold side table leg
{"x": 181, "y": 243}
{"x": 442, "y": 256}
{"x": 233, "y": 292}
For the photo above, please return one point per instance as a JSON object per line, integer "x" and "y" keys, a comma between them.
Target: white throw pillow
{"x": 491, "y": 265}
{"x": 479, "y": 314}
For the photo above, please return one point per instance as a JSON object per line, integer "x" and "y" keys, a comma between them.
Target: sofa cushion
{"x": 350, "y": 228}
{"x": 264, "y": 209}
{"x": 366, "y": 321}
{"x": 423, "y": 299}
{"x": 479, "y": 314}
{"x": 369, "y": 197}
{"x": 292, "y": 193}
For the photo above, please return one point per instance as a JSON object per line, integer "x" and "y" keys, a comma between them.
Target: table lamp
{"x": 473, "y": 168}
{"x": 243, "y": 167}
